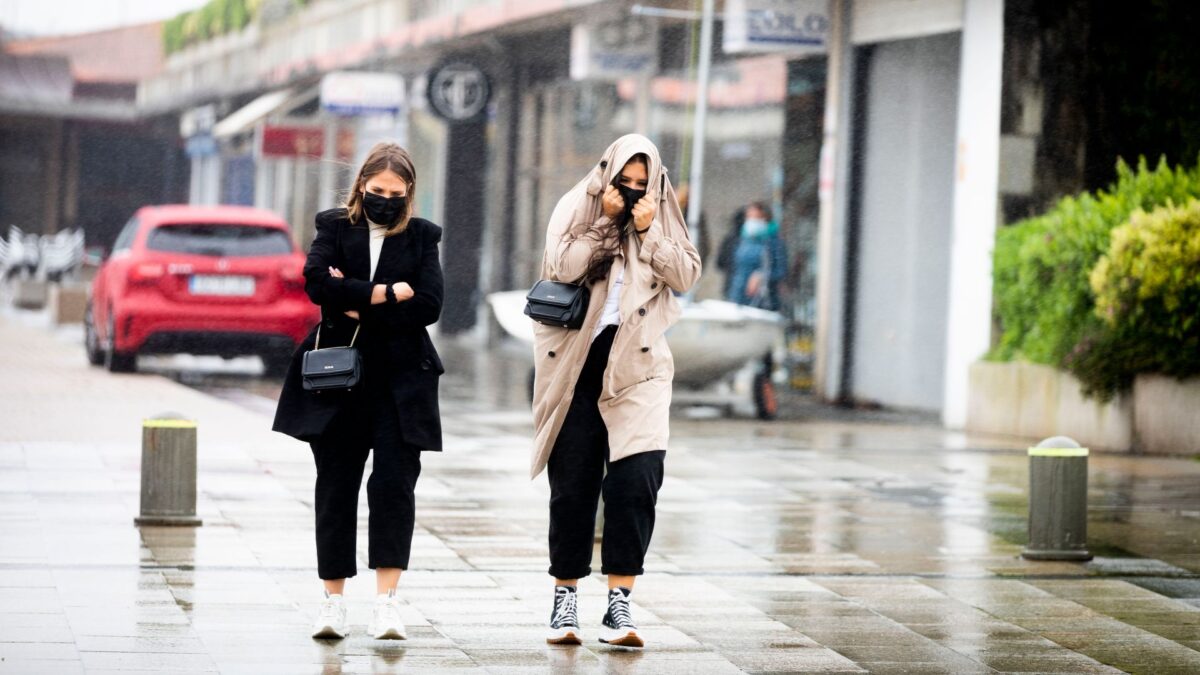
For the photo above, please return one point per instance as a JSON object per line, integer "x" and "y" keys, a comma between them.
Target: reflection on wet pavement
{"x": 826, "y": 545}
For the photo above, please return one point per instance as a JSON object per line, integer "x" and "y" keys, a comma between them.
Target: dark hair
{"x": 761, "y": 206}
{"x": 612, "y": 240}
{"x": 383, "y": 157}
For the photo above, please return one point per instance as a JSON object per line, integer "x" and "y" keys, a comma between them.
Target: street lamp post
{"x": 696, "y": 179}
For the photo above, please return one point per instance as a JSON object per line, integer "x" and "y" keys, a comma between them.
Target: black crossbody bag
{"x": 332, "y": 368}
{"x": 557, "y": 303}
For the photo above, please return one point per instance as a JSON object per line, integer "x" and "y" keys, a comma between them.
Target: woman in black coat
{"x": 375, "y": 272}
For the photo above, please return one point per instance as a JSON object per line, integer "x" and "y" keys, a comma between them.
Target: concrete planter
{"x": 1036, "y": 401}
{"x": 1165, "y": 415}
{"x": 30, "y": 294}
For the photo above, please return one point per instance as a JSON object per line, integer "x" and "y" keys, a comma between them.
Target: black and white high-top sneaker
{"x": 564, "y": 619}
{"x": 618, "y": 622}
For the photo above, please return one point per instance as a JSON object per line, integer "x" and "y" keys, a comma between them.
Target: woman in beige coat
{"x": 602, "y": 393}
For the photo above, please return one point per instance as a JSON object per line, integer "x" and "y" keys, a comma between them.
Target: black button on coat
{"x": 395, "y": 346}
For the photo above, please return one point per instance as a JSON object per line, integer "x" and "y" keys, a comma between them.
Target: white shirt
{"x": 377, "y": 234}
{"x": 611, "y": 316}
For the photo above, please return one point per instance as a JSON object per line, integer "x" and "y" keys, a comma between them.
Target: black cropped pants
{"x": 577, "y": 475}
{"x": 369, "y": 422}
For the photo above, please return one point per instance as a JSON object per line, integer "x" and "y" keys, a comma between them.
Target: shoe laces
{"x": 331, "y": 608}
{"x": 618, "y": 609}
{"x": 387, "y": 608}
{"x": 565, "y": 608}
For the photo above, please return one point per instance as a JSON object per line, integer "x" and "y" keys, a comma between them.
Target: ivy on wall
{"x": 215, "y": 18}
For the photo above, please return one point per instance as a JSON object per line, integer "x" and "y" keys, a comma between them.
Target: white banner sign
{"x": 622, "y": 46}
{"x": 358, "y": 93}
{"x": 789, "y": 26}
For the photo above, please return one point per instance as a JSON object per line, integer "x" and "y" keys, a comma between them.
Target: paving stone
{"x": 796, "y": 546}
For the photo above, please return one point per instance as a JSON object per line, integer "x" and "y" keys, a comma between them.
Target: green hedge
{"x": 215, "y": 18}
{"x": 1042, "y": 267}
{"x": 1147, "y": 290}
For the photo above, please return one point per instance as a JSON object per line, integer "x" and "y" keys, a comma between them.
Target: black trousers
{"x": 368, "y": 421}
{"x": 577, "y": 478}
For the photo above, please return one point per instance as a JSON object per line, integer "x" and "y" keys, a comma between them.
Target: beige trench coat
{"x": 636, "y": 394}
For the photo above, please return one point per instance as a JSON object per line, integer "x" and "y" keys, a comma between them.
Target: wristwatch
{"x": 390, "y": 294}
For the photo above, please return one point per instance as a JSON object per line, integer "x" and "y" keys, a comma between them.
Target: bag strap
{"x": 352, "y": 339}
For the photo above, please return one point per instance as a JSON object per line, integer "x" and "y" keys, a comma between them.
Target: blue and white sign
{"x": 360, "y": 93}
{"x": 789, "y": 26}
{"x": 200, "y": 145}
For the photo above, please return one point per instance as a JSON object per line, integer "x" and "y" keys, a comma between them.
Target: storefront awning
{"x": 244, "y": 118}
{"x": 35, "y": 79}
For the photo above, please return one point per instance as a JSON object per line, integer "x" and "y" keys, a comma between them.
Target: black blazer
{"x": 393, "y": 340}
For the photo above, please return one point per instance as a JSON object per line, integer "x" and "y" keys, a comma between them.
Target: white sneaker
{"x": 331, "y": 620}
{"x": 385, "y": 622}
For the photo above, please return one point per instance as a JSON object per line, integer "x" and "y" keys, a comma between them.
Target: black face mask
{"x": 381, "y": 210}
{"x": 631, "y": 197}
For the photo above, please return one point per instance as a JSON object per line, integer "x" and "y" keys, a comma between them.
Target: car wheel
{"x": 114, "y": 361}
{"x": 766, "y": 402}
{"x": 91, "y": 339}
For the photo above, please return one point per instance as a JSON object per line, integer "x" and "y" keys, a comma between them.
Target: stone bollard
{"x": 1058, "y": 470}
{"x": 168, "y": 471}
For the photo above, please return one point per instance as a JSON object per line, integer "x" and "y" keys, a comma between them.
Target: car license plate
{"x": 221, "y": 284}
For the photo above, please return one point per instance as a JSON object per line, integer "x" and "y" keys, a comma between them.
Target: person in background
{"x": 759, "y": 261}
{"x": 701, "y": 233}
{"x": 728, "y": 247}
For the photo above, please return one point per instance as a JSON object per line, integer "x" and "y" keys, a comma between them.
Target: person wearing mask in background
{"x": 759, "y": 261}
{"x": 374, "y": 270}
{"x": 729, "y": 247}
{"x": 602, "y": 393}
{"x": 700, "y": 233}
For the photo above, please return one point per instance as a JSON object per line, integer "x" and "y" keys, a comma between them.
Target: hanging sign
{"x": 613, "y": 49}
{"x": 795, "y": 27}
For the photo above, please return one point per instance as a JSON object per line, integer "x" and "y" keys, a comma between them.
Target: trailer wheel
{"x": 766, "y": 401}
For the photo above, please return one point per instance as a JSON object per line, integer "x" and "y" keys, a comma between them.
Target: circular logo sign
{"x": 458, "y": 91}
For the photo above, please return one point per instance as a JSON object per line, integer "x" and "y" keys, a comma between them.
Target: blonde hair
{"x": 383, "y": 157}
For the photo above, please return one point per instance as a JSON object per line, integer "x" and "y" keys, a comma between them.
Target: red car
{"x": 224, "y": 280}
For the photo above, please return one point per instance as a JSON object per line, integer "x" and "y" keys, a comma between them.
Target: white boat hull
{"x": 712, "y": 340}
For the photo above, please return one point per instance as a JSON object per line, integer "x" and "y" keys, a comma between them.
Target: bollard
{"x": 168, "y": 471}
{"x": 1058, "y": 470}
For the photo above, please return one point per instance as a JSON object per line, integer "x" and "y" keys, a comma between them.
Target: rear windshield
{"x": 224, "y": 241}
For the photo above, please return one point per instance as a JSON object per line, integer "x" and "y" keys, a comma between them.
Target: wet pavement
{"x": 820, "y": 545}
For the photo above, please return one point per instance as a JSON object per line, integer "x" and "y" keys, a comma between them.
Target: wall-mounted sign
{"x": 619, "y": 47}
{"x": 303, "y": 142}
{"x": 458, "y": 91}
{"x": 357, "y": 93}
{"x": 287, "y": 141}
{"x": 200, "y": 145}
{"x": 792, "y": 26}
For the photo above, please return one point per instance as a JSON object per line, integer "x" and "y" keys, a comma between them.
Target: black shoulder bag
{"x": 556, "y": 303}
{"x": 332, "y": 368}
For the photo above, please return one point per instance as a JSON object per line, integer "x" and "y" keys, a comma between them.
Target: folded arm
{"x": 336, "y": 293}
{"x": 425, "y": 306}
